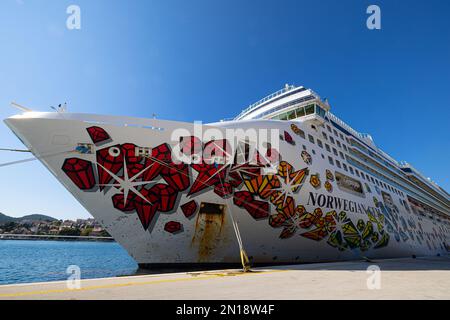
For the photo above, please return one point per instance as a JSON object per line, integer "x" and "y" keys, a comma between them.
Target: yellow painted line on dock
{"x": 195, "y": 276}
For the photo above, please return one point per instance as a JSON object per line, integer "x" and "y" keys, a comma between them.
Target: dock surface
{"x": 420, "y": 278}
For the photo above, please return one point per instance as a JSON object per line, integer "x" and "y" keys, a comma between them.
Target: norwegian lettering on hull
{"x": 336, "y": 203}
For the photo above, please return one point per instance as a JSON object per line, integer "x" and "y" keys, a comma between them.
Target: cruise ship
{"x": 284, "y": 182}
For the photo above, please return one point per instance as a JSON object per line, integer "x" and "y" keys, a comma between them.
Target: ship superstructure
{"x": 354, "y": 148}
{"x": 329, "y": 193}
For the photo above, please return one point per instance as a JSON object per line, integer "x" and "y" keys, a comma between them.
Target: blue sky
{"x": 207, "y": 60}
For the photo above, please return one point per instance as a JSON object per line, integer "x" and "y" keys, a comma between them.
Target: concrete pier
{"x": 420, "y": 278}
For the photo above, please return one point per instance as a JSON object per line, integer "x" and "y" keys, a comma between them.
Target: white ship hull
{"x": 335, "y": 224}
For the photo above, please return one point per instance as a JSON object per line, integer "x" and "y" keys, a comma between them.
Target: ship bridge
{"x": 290, "y": 103}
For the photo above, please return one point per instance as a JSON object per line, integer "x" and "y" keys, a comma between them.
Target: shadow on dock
{"x": 426, "y": 263}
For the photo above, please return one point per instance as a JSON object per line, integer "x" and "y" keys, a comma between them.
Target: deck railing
{"x": 267, "y": 98}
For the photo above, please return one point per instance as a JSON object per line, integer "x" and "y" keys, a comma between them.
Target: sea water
{"x": 23, "y": 261}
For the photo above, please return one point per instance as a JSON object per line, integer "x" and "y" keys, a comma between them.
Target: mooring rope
{"x": 14, "y": 150}
{"x": 45, "y": 156}
{"x": 244, "y": 258}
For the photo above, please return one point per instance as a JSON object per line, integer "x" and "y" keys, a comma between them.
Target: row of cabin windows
{"x": 343, "y": 165}
{"x": 364, "y": 176}
{"x": 337, "y": 134}
{"x": 335, "y": 141}
{"x": 375, "y": 181}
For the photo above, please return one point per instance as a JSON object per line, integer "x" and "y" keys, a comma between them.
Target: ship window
{"x": 338, "y": 163}
{"x": 335, "y": 132}
{"x": 349, "y": 184}
{"x": 324, "y": 135}
{"x": 327, "y": 146}
{"x": 330, "y": 160}
{"x": 351, "y": 170}
{"x": 291, "y": 115}
{"x": 332, "y": 139}
{"x": 323, "y": 157}
{"x": 376, "y": 181}
{"x": 335, "y": 151}
{"x": 329, "y": 128}
{"x": 320, "y": 111}
{"x": 338, "y": 143}
{"x": 283, "y": 116}
{"x": 371, "y": 178}
{"x": 319, "y": 143}
{"x": 357, "y": 172}
{"x": 345, "y": 147}
{"x": 313, "y": 151}
{"x": 311, "y": 138}
{"x": 304, "y": 147}
{"x": 340, "y": 135}
{"x": 300, "y": 112}
{"x": 345, "y": 166}
{"x": 309, "y": 109}
{"x": 341, "y": 155}
{"x": 368, "y": 188}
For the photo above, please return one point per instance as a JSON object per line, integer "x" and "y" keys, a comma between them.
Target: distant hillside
{"x": 31, "y": 217}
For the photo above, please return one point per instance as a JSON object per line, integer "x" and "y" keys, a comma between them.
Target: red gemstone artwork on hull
{"x": 80, "y": 172}
{"x": 134, "y": 165}
{"x": 223, "y": 190}
{"x": 208, "y": 175}
{"x": 173, "y": 226}
{"x": 109, "y": 161}
{"x": 145, "y": 180}
{"x": 122, "y": 205}
{"x": 98, "y": 134}
{"x": 145, "y": 212}
{"x": 189, "y": 208}
{"x": 165, "y": 196}
{"x": 256, "y": 208}
{"x": 176, "y": 176}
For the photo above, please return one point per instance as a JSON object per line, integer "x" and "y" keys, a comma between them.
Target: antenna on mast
{"x": 61, "y": 108}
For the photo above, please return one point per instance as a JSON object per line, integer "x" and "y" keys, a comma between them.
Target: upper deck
{"x": 297, "y": 103}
